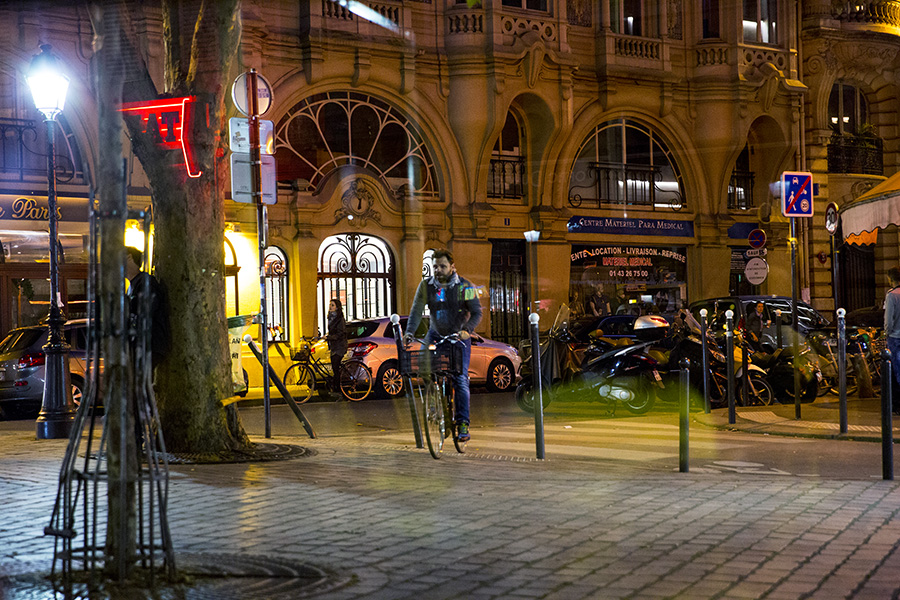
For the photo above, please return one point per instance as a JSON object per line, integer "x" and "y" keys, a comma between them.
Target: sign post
{"x": 796, "y": 201}
{"x": 832, "y": 220}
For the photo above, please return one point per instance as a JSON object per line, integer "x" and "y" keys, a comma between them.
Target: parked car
{"x": 22, "y": 364}
{"x": 808, "y": 318}
{"x": 872, "y": 316}
{"x": 372, "y": 340}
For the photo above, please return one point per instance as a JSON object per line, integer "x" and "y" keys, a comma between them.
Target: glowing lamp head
{"x": 47, "y": 83}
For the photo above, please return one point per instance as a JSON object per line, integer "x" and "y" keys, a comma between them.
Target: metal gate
{"x": 856, "y": 276}
{"x": 359, "y": 270}
{"x": 508, "y": 297}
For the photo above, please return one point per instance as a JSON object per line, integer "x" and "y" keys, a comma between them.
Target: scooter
{"x": 779, "y": 366}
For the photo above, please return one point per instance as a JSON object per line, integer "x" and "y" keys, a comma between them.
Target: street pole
{"x": 261, "y": 224}
{"x": 794, "y": 320}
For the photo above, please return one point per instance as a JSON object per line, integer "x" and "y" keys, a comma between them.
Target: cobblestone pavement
{"x": 394, "y": 523}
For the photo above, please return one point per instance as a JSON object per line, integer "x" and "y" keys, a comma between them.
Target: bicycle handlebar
{"x": 453, "y": 338}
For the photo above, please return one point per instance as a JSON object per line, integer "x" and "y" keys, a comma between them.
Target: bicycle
{"x": 309, "y": 371}
{"x": 429, "y": 372}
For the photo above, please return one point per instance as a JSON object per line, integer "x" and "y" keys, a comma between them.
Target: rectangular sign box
{"x": 241, "y": 181}
{"x": 239, "y": 135}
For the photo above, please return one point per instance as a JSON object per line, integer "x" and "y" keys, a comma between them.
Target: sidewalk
{"x": 819, "y": 419}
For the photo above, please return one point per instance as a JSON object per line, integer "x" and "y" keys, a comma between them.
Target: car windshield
{"x": 19, "y": 339}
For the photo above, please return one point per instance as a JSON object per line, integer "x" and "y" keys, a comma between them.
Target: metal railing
{"x": 856, "y": 154}
{"x": 507, "y": 178}
{"x": 740, "y": 190}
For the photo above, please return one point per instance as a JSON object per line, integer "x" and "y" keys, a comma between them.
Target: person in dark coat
{"x": 337, "y": 340}
{"x": 160, "y": 332}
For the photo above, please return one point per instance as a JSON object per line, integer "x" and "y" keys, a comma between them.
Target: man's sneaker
{"x": 462, "y": 431}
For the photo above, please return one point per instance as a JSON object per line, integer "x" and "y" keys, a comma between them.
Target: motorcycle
{"x": 609, "y": 372}
{"x": 779, "y": 366}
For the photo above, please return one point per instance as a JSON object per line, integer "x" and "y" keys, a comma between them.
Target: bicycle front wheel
{"x": 433, "y": 415}
{"x": 356, "y": 380}
{"x": 300, "y": 381}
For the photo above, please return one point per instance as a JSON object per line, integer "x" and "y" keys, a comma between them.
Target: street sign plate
{"x": 831, "y": 218}
{"x": 239, "y": 135}
{"x": 241, "y": 181}
{"x": 757, "y": 238}
{"x": 797, "y": 194}
{"x": 757, "y": 270}
{"x": 263, "y": 94}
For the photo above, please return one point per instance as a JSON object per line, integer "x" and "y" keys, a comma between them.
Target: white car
{"x": 494, "y": 364}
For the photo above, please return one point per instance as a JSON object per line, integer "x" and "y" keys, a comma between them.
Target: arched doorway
{"x": 359, "y": 270}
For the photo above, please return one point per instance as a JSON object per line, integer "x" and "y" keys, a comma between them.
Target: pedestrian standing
{"x": 160, "y": 332}
{"x": 892, "y": 331}
{"x": 337, "y": 340}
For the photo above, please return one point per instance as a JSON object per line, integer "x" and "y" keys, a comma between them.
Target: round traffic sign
{"x": 263, "y": 94}
{"x": 757, "y": 270}
{"x": 831, "y": 218}
{"x": 757, "y": 238}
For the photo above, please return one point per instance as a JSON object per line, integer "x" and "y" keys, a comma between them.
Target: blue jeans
{"x": 893, "y": 345}
{"x": 461, "y": 381}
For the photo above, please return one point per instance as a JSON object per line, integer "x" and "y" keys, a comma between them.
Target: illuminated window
{"x": 759, "y": 21}
{"x": 847, "y": 109}
{"x": 276, "y": 294}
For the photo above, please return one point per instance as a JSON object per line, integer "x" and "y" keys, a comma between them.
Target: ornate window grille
{"x": 359, "y": 270}
{"x": 276, "y": 294}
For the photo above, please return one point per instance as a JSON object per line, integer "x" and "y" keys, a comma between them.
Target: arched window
{"x": 740, "y": 188}
{"x": 507, "y": 178}
{"x": 328, "y": 131}
{"x": 624, "y": 162}
{"x": 276, "y": 294}
{"x": 359, "y": 270}
{"x": 848, "y": 110}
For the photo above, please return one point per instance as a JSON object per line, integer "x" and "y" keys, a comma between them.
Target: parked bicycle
{"x": 310, "y": 372}
{"x": 429, "y": 373}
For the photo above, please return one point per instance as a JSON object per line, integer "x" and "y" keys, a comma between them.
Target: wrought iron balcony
{"x": 507, "y": 178}
{"x": 631, "y": 184}
{"x": 740, "y": 190}
{"x": 23, "y": 156}
{"x": 862, "y": 155}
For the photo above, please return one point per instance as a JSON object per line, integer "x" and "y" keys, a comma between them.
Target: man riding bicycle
{"x": 455, "y": 308}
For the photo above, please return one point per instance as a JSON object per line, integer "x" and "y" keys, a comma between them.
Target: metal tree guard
{"x": 79, "y": 520}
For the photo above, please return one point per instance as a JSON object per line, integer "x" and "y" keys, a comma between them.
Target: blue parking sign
{"x": 796, "y": 194}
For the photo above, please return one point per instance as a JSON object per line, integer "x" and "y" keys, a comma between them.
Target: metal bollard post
{"x": 410, "y": 395}
{"x": 533, "y": 318}
{"x": 703, "y": 327}
{"x": 778, "y": 327}
{"x": 842, "y": 365}
{"x": 729, "y": 364}
{"x": 683, "y": 424}
{"x": 887, "y": 426}
{"x": 745, "y": 372}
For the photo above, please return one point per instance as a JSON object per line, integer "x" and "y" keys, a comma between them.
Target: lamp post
{"x": 48, "y": 88}
{"x": 532, "y": 237}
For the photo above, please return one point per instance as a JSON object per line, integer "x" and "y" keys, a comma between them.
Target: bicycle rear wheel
{"x": 300, "y": 381}
{"x": 433, "y": 415}
{"x": 450, "y": 406}
{"x": 356, "y": 380}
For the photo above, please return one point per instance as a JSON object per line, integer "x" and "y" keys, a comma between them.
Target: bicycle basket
{"x": 447, "y": 359}
{"x": 302, "y": 353}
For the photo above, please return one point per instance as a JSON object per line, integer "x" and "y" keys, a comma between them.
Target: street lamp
{"x": 48, "y": 88}
{"x": 532, "y": 237}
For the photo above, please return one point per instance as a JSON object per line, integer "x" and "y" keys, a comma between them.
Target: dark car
{"x": 22, "y": 364}
{"x": 613, "y": 327}
{"x": 872, "y": 316}
{"x": 808, "y": 318}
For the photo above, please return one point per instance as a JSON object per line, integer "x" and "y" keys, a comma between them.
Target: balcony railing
{"x": 879, "y": 12}
{"x": 740, "y": 190}
{"x": 23, "y": 153}
{"x": 507, "y": 178}
{"x": 862, "y": 155}
{"x": 631, "y": 184}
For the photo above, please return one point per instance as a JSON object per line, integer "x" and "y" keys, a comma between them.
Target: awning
{"x": 876, "y": 209}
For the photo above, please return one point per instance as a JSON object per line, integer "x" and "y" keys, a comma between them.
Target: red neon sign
{"x": 166, "y": 120}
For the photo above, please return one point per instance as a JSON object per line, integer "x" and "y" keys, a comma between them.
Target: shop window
{"x": 232, "y": 289}
{"x": 276, "y": 294}
{"x": 338, "y": 129}
{"x": 760, "y": 17}
{"x": 740, "y": 188}
{"x": 359, "y": 270}
{"x": 507, "y": 176}
{"x": 625, "y": 163}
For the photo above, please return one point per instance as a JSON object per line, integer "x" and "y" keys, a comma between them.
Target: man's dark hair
{"x": 136, "y": 255}
{"x": 442, "y": 253}
{"x": 894, "y": 274}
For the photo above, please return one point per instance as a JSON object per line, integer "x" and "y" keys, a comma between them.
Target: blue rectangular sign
{"x": 796, "y": 194}
{"x": 639, "y": 227}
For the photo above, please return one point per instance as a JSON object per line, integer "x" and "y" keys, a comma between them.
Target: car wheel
{"x": 500, "y": 375}
{"x": 389, "y": 383}
{"x": 77, "y": 390}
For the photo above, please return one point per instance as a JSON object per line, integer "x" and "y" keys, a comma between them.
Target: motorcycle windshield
{"x": 562, "y": 319}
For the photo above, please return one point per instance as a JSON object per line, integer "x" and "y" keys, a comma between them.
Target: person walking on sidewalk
{"x": 892, "y": 331}
{"x": 455, "y": 308}
{"x": 337, "y": 341}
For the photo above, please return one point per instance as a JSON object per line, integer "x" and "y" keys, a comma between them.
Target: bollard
{"x": 745, "y": 372}
{"x": 778, "y": 327}
{"x": 729, "y": 364}
{"x": 887, "y": 433}
{"x": 410, "y": 394}
{"x": 533, "y": 318}
{"x": 842, "y": 365}
{"x": 705, "y": 365}
{"x": 683, "y": 424}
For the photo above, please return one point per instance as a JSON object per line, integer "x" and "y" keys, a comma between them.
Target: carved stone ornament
{"x": 357, "y": 205}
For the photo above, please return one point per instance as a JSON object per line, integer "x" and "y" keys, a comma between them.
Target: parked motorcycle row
{"x": 637, "y": 374}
